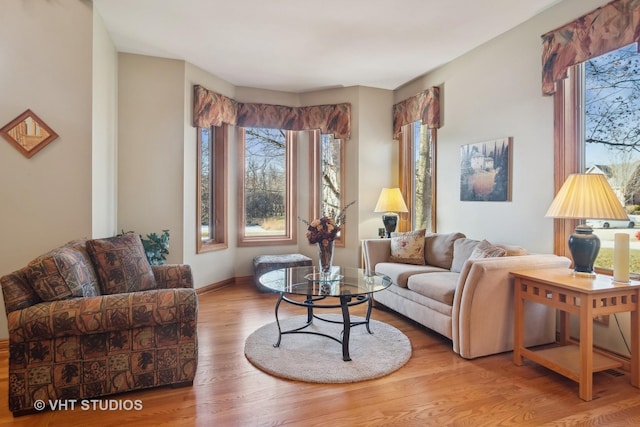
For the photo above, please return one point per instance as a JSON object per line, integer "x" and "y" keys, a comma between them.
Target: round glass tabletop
{"x": 340, "y": 281}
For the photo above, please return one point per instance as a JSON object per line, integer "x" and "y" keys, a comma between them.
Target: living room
{"x": 126, "y": 155}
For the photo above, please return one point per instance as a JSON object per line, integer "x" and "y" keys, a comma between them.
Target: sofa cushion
{"x": 399, "y": 273}
{"x": 17, "y": 291}
{"x": 440, "y": 286}
{"x": 462, "y": 249}
{"x": 408, "y": 248}
{"x": 59, "y": 274}
{"x": 121, "y": 264}
{"x": 90, "y": 288}
{"x": 438, "y": 249}
{"x": 487, "y": 250}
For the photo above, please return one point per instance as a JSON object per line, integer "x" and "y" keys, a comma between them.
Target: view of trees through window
{"x": 265, "y": 186}
{"x": 331, "y": 183}
{"x": 421, "y": 161}
{"x": 612, "y": 142}
{"x": 206, "y": 218}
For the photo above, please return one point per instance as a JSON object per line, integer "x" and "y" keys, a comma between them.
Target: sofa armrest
{"x": 170, "y": 276}
{"x": 482, "y": 321}
{"x": 375, "y": 251}
{"x": 105, "y": 313}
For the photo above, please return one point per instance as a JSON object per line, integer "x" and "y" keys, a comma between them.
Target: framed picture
{"x": 28, "y": 133}
{"x": 485, "y": 171}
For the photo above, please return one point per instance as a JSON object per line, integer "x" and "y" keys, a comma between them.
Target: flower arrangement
{"x": 326, "y": 228}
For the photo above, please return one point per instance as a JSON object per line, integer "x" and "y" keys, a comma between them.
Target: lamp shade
{"x": 391, "y": 200}
{"x": 585, "y": 196}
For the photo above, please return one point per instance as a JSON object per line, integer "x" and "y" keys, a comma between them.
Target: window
{"x": 417, "y": 176}
{"x": 211, "y": 224}
{"x": 267, "y": 175}
{"x": 602, "y": 135}
{"x": 327, "y": 180}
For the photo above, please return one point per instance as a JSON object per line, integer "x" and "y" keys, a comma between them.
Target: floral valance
{"x": 213, "y": 109}
{"x": 607, "y": 28}
{"x": 424, "y": 106}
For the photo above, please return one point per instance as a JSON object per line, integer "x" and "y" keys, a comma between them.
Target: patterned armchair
{"x": 93, "y": 318}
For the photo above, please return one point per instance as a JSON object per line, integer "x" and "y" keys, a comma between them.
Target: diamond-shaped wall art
{"x": 28, "y": 133}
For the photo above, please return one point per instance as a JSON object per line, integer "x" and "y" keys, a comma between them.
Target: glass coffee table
{"x": 343, "y": 288}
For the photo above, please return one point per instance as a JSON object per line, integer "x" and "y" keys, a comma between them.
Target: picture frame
{"x": 485, "y": 171}
{"x": 28, "y": 133}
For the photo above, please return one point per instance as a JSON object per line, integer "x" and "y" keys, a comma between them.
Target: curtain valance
{"x": 424, "y": 106}
{"x": 213, "y": 109}
{"x": 607, "y": 28}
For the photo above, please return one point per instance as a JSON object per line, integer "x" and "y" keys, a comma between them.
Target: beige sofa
{"x": 467, "y": 299}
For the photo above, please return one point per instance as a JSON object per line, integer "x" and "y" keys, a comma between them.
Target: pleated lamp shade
{"x": 586, "y": 195}
{"x": 391, "y": 200}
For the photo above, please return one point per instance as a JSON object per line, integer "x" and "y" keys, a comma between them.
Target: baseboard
{"x": 241, "y": 281}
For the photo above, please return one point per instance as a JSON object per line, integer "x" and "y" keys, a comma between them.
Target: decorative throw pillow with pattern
{"x": 408, "y": 248}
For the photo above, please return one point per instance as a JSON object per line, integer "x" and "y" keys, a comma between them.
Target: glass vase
{"x": 325, "y": 256}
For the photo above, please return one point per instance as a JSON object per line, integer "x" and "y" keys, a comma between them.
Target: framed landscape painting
{"x": 485, "y": 171}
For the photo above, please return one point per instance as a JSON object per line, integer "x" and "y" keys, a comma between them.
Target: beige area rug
{"x": 318, "y": 359}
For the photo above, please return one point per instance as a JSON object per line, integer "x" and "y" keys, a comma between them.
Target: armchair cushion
{"x": 121, "y": 264}
{"x": 106, "y": 313}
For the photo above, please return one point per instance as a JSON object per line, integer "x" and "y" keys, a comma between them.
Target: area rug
{"x": 317, "y": 359}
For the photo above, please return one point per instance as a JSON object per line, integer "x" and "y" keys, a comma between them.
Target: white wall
{"x": 45, "y": 201}
{"x": 104, "y": 130}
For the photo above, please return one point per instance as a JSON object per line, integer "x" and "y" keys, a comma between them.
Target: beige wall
{"x": 151, "y": 147}
{"x": 492, "y": 92}
{"x": 45, "y": 201}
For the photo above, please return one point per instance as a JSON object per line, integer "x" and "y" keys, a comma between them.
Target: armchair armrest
{"x": 104, "y": 313}
{"x": 375, "y": 251}
{"x": 170, "y": 276}
{"x": 482, "y": 318}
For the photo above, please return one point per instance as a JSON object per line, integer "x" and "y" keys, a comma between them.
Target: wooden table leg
{"x": 518, "y": 322}
{"x": 586, "y": 348}
{"x": 635, "y": 345}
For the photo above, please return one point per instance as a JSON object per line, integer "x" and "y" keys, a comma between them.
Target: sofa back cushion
{"x": 438, "y": 249}
{"x": 121, "y": 264}
{"x": 462, "y": 249}
{"x": 60, "y": 274}
{"x": 408, "y": 248}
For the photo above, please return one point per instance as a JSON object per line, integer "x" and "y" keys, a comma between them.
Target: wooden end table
{"x": 587, "y": 297}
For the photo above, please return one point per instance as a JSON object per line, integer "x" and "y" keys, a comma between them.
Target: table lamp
{"x": 390, "y": 202}
{"x": 585, "y": 196}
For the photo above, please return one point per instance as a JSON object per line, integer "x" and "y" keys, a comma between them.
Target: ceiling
{"x": 306, "y": 45}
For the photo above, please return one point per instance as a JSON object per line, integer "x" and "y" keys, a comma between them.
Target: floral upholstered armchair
{"x": 93, "y": 318}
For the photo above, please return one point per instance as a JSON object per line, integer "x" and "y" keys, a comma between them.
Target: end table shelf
{"x": 585, "y": 297}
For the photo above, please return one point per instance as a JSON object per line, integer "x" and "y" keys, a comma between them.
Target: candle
{"x": 621, "y": 257}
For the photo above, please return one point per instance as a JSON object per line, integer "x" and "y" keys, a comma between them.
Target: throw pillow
{"x": 487, "y": 250}
{"x": 462, "y": 249}
{"x": 59, "y": 274}
{"x": 408, "y": 248}
{"x": 121, "y": 264}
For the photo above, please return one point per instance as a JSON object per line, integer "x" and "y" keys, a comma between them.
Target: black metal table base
{"x": 311, "y": 302}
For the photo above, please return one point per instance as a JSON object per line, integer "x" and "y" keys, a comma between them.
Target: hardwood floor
{"x": 435, "y": 388}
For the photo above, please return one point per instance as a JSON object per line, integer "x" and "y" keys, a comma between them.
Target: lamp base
{"x": 390, "y": 222}
{"x": 584, "y": 247}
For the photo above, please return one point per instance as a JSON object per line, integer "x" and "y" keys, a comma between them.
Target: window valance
{"x": 213, "y": 109}
{"x": 607, "y": 28}
{"x": 424, "y": 106}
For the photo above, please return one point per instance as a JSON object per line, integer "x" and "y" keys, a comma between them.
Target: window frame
{"x": 291, "y": 209}
{"x": 406, "y": 171}
{"x": 315, "y": 181}
{"x": 218, "y": 165}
